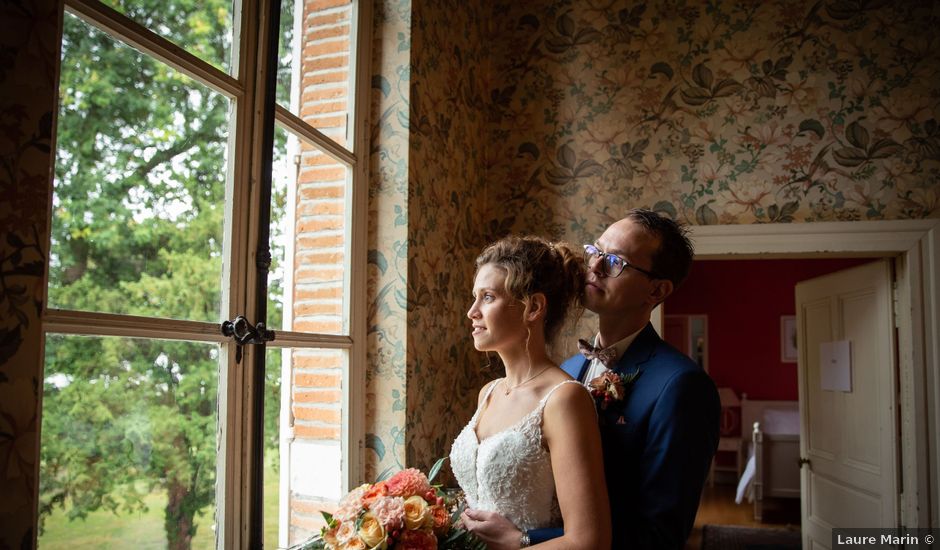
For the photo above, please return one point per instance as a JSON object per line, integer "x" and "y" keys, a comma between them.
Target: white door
{"x": 848, "y": 437}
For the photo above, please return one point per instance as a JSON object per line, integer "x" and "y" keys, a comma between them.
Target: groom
{"x": 659, "y": 416}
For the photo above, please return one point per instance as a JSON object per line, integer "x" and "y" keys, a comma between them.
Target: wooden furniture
{"x": 775, "y": 438}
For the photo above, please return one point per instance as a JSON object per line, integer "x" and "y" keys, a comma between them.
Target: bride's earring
{"x": 489, "y": 362}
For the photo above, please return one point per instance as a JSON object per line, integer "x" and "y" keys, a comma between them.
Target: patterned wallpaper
{"x": 721, "y": 112}
{"x": 445, "y": 233}
{"x": 388, "y": 238}
{"x": 29, "y": 54}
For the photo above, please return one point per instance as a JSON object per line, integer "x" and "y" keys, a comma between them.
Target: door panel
{"x": 850, "y": 438}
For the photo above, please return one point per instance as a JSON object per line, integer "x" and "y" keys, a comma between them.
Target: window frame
{"x": 246, "y": 91}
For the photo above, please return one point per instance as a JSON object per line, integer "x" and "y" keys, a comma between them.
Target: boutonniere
{"x": 611, "y": 387}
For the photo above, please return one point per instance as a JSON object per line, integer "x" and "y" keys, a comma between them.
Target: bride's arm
{"x": 571, "y": 434}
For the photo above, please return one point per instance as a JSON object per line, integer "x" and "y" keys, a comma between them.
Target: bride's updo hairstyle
{"x": 532, "y": 265}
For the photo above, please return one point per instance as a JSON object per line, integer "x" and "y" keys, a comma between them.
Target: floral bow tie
{"x": 605, "y": 356}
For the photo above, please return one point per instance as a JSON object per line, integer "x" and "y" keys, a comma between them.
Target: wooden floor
{"x": 718, "y": 507}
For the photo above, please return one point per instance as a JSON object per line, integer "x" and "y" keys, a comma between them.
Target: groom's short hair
{"x": 673, "y": 258}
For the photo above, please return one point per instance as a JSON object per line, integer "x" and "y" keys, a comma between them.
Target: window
{"x": 155, "y": 221}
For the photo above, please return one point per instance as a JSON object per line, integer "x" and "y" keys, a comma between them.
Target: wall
{"x": 744, "y": 300}
{"x": 713, "y": 113}
{"x": 445, "y": 233}
{"x": 722, "y": 112}
{"x": 28, "y": 75}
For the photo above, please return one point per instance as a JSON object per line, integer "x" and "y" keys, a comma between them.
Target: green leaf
{"x": 812, "y": 125}
{"x": 374, "y": 442}
{"x": 702, "y": 76}
{"x": 566, "y": 157}
{"x": 695, "y": 96}
{"x": 436, "y": 468}
{"x": 726, "y": 87}
{"x": 857, "y": 135}
{"x": 706, "y": 216}
{"x": 884, "y": 148}
{"x": 565, "y": 25}
{"x": 662, "y": 68}
{"x": 849, "y": 156}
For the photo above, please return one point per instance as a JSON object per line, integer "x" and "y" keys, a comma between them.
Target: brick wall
{"x": 317, "y": 294}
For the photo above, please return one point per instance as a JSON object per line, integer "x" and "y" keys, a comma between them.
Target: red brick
{"x": 318, "y": 309}
{"x": 318, "y": 5}
{"x": 307, "y": 243}
{"x": 324, "y": 396}
{"x": 331, "y": 192}
{"x": 333, "y": 259}
{"x": 318, "y": 224}
{"x": 327, "y": 108}
{"x": 324, "y": 327}
{"x": 321, "y": 122}
{"x": 326, "y": 47}
{"x": 326, "y": 174}
{"x": 322, "y": 20}
{"x": 317, "y": 380}
{"x": 321, "y": 208}
{"x": 320, "y": 33}
{"x": 332, "y": 361}
{"x": 325, "y": 78}
{"x": 316, "y": 432}
{"x": 322, "y": 292}
{"x": 324, "y": 63}
{"x": 323, "y": 93}
{"x": 331, "y": 416}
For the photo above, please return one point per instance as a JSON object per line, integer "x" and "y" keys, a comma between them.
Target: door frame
{"x": 915, "y": 247}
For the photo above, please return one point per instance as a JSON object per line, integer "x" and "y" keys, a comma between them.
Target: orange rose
{"x": 417, "y": 513}
{"x": 440, "y": 520}
{"x": 374, "y": 492}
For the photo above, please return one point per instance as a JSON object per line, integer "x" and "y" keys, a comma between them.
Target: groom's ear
{"x": 537, "y": 307}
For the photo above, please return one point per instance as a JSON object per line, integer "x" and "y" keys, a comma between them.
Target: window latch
{"x": 240, "y": 330}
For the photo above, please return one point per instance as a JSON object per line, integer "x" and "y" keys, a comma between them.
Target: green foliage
{"x": 137, "y": 229}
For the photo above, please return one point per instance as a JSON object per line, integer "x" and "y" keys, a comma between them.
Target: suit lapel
{"x": 639, "y": 351}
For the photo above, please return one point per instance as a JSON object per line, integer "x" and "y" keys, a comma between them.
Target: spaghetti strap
{"x": 544, "y": 399}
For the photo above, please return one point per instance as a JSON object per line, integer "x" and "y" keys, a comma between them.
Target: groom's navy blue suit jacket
{"x": 658, "y": 444}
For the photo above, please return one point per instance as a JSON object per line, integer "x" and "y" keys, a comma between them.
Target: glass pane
{"x": 306, "y": 455}
{"x": 139, "y": 190}
{"x": 308, "y": 239}
{"x": 203, "y": 28}
{"x": 128, "y": 448}
{"x": 314, "y": 68}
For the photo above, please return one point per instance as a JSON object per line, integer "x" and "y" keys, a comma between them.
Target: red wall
{"x": 744, "y": 300}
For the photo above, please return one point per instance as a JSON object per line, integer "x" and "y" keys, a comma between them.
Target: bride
{"x": 532, "y": 451}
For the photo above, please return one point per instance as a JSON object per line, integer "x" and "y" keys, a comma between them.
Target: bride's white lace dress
{"x": 509, "y": 472}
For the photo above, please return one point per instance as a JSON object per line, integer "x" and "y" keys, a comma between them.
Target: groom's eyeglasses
{"x": 611, "y": 264}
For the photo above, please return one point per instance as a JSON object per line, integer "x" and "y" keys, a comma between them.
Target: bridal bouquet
{"x": 402, "y": 512}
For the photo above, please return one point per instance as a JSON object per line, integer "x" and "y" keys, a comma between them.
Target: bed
{"x": 772, "y": 470}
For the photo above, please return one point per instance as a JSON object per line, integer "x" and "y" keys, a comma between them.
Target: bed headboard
{"x": 775, "y": 416}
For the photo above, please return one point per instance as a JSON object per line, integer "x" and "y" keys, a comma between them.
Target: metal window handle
{"x": 243, "y": 333}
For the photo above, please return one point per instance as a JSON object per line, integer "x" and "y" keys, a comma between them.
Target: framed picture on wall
{"x": 788, "y": 351}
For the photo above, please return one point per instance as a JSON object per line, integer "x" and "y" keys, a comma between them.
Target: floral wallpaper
{"x": 722, "y": 112}
{"x": 445, "y": 231}
{"x": 388, "y": 238}
{"x": 29, "y": 53}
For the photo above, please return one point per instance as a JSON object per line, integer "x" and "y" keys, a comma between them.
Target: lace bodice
{"x": 509, "y": 472}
